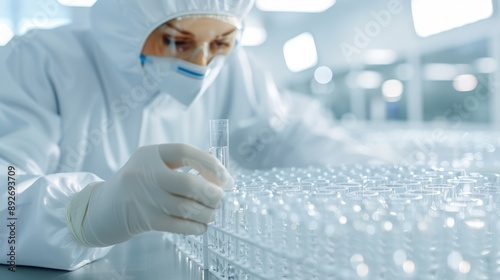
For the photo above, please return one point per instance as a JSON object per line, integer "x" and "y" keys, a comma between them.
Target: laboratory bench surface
{"x": 148, "y": 256}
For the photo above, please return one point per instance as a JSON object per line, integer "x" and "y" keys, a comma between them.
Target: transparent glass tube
{"x": 219, "y": 147}
{"x": 382, "y": 191}
{"x": 447, "y": 191}
{"x": 395, "y": 187}
{"x": 351, "y": 186}
{"x": 219, "y": 140}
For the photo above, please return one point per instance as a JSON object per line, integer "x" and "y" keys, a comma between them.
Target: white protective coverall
{"x": 75, "y": 108}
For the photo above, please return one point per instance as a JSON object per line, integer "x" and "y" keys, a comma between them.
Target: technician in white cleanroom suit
{"x": 86, "y": 117}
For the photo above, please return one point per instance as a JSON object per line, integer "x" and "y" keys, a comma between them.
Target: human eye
{"x": 181, "y": 44}
{"x": 221, "y": 44}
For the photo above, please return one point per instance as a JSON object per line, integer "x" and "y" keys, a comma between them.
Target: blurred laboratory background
{"x": 395, "y": 61}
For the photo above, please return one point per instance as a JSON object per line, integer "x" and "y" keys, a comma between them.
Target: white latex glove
{"x": 146, "y": 194}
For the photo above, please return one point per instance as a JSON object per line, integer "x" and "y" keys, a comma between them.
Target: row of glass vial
{"x": 366, "y": 227}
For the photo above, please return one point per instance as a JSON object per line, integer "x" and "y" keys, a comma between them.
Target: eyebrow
{"x": 184, "y": 32}
{"x": 228, "y": 33}
{"x": 169, "y": 24}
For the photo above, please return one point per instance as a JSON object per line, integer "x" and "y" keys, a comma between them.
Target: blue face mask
{"x": 184, "y": 81}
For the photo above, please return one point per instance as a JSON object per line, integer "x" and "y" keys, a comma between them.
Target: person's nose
{"x": 201, "y": 56}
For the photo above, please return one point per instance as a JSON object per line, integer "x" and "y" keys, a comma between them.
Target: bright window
{"x": 20, "y": 16}
{"x": 77, "y": 3}
{"x": 253, "y": 36}
{"x": 6, "y": 32}
{"x": 301, "y": 6}
{"x": 300, "y": 52}
{"x": 435, "y": 16}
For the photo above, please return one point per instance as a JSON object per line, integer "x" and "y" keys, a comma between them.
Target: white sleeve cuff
{"x": 42, "y": 237}
{"x": 76, "y": 211}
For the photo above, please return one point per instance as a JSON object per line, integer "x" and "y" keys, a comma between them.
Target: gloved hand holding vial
{"x": 148, "y": 194}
